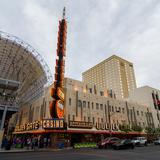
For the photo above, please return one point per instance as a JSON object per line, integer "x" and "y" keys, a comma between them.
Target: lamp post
{"x": 109, "y": 118}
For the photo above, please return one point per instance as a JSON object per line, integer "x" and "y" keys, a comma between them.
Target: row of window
{"x": 138, "y": 113}
{"x": 98, "y": 106}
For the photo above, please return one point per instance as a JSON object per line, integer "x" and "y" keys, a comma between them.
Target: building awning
{"x": 76, "y": 131}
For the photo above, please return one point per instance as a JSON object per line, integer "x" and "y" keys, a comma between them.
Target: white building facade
{"x": 150, "y": 97}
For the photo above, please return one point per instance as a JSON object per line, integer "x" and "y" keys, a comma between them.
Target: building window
{"x": 73, "y": 117}
{"x": 88, "y": 119}
{"x": 92, "y": 105}
{"x": 69, "y": 117}
{"x": 84, "y": 103}
{"x": 97, "y": 106}
{"x": 69, "y": 101}
{"x": 102, "y": 120}
{"x": 112, "y": 109}
{"x": 119, "y": 110}
{"x": 137, "y": 113}
{"x": 122, "y": 64}
{"x": 122, "y": 110}
{"x": 98, "y": 120}
{"x": 93, "y": 120}
{"x": 141, "y": 113}
{"x": 101, "y": 106}
{"x": 90, "y": 90}
{"x": 101, "y": 93}
{"x": 88, "y": 104}
{"x": 84, "y": 119}
{"x": 79, "y": 103}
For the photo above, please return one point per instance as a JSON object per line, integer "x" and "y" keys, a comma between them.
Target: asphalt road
{"x": 139, "y": 153}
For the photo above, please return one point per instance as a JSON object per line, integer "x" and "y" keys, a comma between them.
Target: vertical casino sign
{"x": 57, "y": 93}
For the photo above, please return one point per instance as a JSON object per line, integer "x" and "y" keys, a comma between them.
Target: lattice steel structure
{"x": 23, "y": 65}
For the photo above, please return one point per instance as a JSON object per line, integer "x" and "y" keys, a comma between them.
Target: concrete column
{"x": 3, "y": 118}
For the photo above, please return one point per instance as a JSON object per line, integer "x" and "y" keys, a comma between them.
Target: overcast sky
{"x": 97, "y": 29}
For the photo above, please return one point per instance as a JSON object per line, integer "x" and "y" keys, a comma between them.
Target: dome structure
{"x": 23, "y": 71}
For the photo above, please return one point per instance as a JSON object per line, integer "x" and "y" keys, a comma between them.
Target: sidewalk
{"x": 15, "y": 150}
{"x": 12, "y": 150}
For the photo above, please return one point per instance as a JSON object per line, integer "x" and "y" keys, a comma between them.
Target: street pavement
{"x": 139, "y": 153}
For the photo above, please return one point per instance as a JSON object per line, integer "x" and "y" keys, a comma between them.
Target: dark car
{"x": 124, "y": 144}
{"x": 108, "y": 142}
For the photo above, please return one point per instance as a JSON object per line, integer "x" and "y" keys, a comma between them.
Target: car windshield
{"x": 110, "y": 138}
{"x": 135, "y": 138}
{"x": 122, "y": 141}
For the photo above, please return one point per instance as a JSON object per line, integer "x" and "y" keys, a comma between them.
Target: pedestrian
{"x": 45, "y": 142}
{"x": 34, "y": 143}
{"x": 28, "y": 142}
{"x": 49, "y": 142}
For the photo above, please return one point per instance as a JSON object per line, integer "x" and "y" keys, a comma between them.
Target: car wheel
{"x": 145, "y": 144}
{"x": 132, "y": 147}
{"x": 138, "y": 143}
{"x": 106, "y": 146}
{"x": 117, "y": 147}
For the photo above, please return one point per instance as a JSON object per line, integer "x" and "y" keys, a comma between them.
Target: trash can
{"x": 8, "y": 146}
{"x": 61, "y": 145}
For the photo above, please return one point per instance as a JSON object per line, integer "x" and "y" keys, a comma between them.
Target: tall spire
{"x": 57, "y": 93}
{"x": 64, "y": 12}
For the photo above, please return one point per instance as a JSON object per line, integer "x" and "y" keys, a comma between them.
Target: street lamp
{"x": 109, "y": 118}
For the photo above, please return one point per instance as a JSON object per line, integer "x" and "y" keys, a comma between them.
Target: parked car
{"x": 138, "y": 141}
{"x": 157, "y": 141}
{"x": 124, "y": 144}
{"x": 108, "y": 142}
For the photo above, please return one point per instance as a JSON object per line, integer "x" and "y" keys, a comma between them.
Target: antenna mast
{"x": 64, "y": 12}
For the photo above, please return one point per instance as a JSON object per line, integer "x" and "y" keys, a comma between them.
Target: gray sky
{"x": 97, "y": 29}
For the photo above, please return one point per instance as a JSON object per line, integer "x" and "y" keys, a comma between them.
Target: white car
{"x": 157, "y": 141}
{"x": 139, "y": 141}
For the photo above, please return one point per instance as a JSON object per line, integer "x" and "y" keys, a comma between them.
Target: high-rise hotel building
{"x": 113, "y": 73}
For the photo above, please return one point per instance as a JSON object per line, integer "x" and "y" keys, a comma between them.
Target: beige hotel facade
{"x": 114, "y": 73}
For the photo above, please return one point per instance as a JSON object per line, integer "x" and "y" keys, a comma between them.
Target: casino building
{"x": 88, "y": 115}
